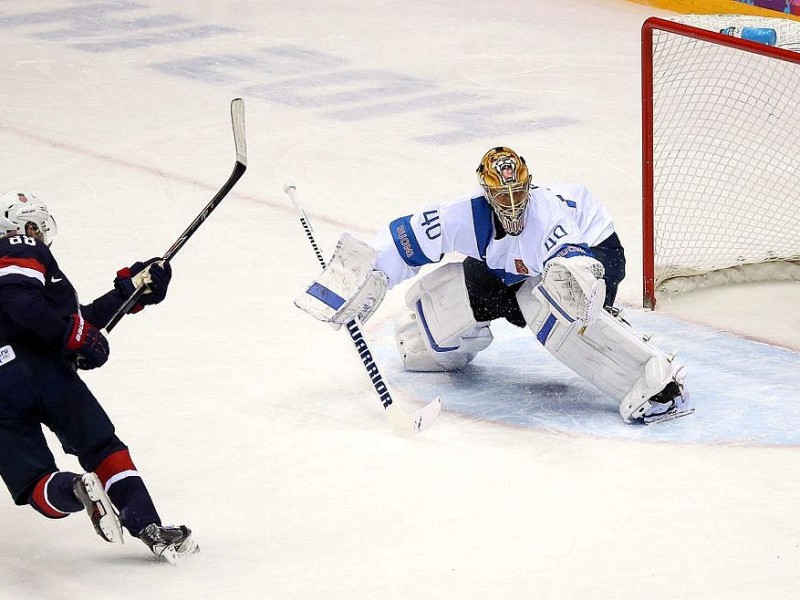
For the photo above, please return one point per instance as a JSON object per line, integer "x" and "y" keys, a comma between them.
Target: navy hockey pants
{"x": 36, "y": 391}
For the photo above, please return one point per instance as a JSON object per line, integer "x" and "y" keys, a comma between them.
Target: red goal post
{"x": 720, "y": 153}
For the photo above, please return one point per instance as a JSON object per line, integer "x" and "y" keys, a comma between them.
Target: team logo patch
{"x": 520, "y": 267}
{"x": 7, "y": 354}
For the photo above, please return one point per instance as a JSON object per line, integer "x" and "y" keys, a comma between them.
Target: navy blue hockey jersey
{"x": 37, "y": 299}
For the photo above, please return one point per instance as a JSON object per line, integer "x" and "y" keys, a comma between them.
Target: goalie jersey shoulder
{"x": 594, "y": 221}
{"x": 412, "y": 241}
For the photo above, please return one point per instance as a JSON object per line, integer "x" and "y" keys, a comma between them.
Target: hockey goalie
{"x": 542, "y": 257}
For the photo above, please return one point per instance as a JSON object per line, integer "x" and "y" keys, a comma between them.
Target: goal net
{"x": 721, "y": 149}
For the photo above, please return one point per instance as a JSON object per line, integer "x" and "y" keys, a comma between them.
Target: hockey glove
{"x": 84, "y": 343}
{"x": 348, "y": 288}
{"x": 155, "y": 274}
{"x": 573, "y": 284}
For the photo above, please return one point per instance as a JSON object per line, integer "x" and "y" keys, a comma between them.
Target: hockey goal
{"x": 720, "y": 153}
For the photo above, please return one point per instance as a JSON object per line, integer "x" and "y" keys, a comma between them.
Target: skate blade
{"x": 173, "y": 555}
{"x": 670, "y": 415}
{"x": 107, "y": 523}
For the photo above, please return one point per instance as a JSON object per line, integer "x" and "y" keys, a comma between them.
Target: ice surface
{"x": 256, "y": 426}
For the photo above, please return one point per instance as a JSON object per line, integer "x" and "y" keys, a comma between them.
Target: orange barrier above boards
{"x": 710, "y": 7}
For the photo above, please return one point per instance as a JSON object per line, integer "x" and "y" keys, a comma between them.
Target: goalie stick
{"x": 237, "y": 121}
{"x": 398, "y": 418}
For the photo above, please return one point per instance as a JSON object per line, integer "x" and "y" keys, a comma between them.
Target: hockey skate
{"x": 671, "y": 403}
{"x": 88, "y": 489}
{"x": 169, "y": 542}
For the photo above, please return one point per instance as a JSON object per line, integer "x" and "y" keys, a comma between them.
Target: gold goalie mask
{"x": 505, "y": 180}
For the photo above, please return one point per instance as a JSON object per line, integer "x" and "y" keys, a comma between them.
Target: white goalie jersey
{"x": 561, "y": 303}
{"x": 555, "y": 216}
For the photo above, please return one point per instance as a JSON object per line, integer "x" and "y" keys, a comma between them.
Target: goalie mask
{"x": 22, "y": 213}
{"x": 505, "y": 180}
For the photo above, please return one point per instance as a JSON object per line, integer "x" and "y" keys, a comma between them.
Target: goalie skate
{"x": 672, "y": 403}
{"x": 169, "y": 542}
{"x": 679, "y": 410}
{"x": 88, "y": 489}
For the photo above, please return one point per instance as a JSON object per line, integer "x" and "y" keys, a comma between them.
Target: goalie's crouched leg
{"x": 610, "y": 354}
{"x": 440, "y": 332}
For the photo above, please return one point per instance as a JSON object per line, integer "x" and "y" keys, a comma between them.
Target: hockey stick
{"x": 411, "y": 422}
{"x": 237, "y": 120}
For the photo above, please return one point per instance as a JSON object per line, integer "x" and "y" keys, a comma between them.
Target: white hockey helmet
{"x": 505, "y": 180}
{"x": 21, "y": 210}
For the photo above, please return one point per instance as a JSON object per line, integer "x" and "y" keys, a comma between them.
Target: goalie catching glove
{"x": 572, "y": 283}
{"x": 349, "y": 287}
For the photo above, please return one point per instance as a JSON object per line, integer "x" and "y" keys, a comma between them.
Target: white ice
{"x": 257, "y": 427}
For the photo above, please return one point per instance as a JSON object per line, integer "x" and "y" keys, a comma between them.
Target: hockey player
{"x": 46, "y": 337}
{"x": 546, "y": 258}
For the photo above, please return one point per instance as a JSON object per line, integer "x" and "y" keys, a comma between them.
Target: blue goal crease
{"x": 743, "y": 391}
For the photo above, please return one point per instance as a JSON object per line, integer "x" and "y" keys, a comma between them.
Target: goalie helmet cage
{"x": 720, "y": 152}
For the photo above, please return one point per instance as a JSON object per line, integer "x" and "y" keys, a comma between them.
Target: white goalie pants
{"x": 439, "y": 332}
{"x": 608, "y": 352}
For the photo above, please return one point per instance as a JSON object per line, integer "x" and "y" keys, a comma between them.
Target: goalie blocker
{"x": 348, "y": 288}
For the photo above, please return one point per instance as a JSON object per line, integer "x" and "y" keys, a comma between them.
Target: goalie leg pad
{"x": 440, "y": 332}
{"x": 608, "y": 353}
{"x": 348, "y": 287}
